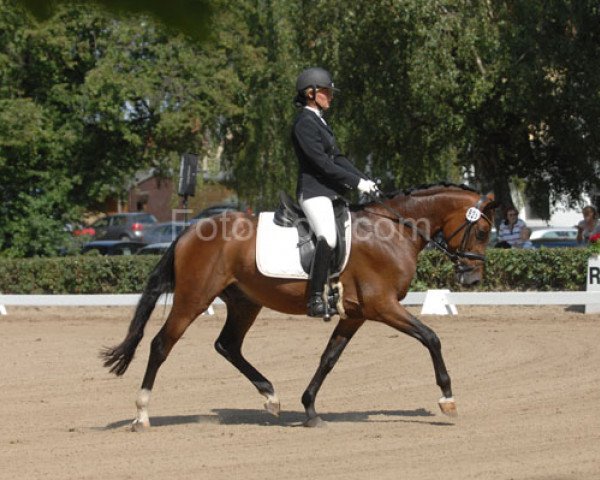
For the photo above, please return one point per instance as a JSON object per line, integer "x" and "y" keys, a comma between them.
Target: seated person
{"x": 524, "y": 241}
{"x": 589, "y": 226}
{"x": 510, "y": 228}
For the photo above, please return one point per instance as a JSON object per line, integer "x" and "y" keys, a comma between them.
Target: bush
{"x": 79, "y": 274}
{"x": 506, "y": 270}
{"x": 544, "y": 269}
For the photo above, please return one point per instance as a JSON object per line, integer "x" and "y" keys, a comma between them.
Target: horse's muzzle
{"x": 468, "y": 275}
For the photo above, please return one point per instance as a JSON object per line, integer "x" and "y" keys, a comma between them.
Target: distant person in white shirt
{"x": 588, "y": 226}
{"x": 509, "y": 233}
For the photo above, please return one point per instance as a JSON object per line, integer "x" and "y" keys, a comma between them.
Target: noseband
{"x": 474, "y": 214}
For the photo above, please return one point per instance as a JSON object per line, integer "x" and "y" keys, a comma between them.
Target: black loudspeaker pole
{"x": 185, "y": 209}
{"x": 187, "y": 180}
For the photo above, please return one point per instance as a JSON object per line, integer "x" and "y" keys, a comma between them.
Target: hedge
{"x": 544, "y": 269}
{"x": 511, "y": 270}
{"x": 78, "y": 274}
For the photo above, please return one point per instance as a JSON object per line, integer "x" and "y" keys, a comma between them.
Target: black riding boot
{"x": 318, "y": 278}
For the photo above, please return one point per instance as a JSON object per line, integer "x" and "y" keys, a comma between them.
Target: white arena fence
{"x": 437, "y": 302}
{"x": 98, "y": 300}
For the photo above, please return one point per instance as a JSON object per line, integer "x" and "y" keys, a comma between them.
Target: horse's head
{"x": 466, "y": 233}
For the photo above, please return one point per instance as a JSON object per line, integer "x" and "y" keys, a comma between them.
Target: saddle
{"x": 290, "y": 214}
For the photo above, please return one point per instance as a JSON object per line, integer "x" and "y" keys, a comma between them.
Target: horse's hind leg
{"x": 340, "y": 337}
{"x": 181, "y": 316}
{"x": 241, "y": 313}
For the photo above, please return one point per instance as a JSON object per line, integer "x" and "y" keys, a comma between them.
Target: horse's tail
{"x": 161, "y": 280}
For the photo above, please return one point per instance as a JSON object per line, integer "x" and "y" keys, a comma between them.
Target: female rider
{"x": 323, "y": 175}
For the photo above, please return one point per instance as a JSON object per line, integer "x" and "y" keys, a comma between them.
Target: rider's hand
{"x": 367, "y": 186}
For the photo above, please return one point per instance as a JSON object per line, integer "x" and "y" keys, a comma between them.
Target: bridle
{"x": 473, "y": 215}
{"x": 471, "y": 218}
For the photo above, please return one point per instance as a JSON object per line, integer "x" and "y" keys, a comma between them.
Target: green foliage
{"x": 76, "y": 275}
{"x": 189, "y": 16}
{"x": 430, "y": 90}
{"x": 506, "y": 270}
{"x": 87, "y": 101}
{"x": 594, "y": 246}
{"x": 258, "y": 151}
{"x": 433, "y": 89}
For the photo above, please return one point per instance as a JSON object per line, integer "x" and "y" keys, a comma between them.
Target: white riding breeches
{"x": 319, "y": 212}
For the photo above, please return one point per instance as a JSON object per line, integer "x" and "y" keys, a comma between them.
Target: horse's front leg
{"x": 340, "y": 337}
{"x": 396, "y": 316}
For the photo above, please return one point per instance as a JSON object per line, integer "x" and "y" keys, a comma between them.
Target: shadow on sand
{"x": 233, "y": 416}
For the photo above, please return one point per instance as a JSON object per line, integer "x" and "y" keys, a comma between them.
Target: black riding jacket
{"x": 322, "y": 169}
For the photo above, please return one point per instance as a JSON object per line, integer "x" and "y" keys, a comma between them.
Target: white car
{"x": 554, "y": 233}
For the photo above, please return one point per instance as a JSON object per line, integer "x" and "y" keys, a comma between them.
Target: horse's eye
{"x": 481, "y": 235}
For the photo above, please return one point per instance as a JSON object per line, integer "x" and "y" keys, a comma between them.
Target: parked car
{"x": 154, "y": 249}
{"x": 554, "y": 237}
{"x": 111, "y": 247}
{"x": 554, "y": 233}
{"x": 123, "y": 226}
{"x": 162, "y": 232}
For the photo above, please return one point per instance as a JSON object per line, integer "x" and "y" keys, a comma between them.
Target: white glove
{"x": 367, "y": 186}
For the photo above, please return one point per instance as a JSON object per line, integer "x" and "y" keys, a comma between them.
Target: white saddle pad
{"x": 277, "y": 252}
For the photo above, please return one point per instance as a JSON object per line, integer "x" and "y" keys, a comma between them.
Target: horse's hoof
{"x": 272, "y": 405}
{"x": 448, "y": 406}
{"x": 139, "y": 426}
{"x": 315, "y": 422}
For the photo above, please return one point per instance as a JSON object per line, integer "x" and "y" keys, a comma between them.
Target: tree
{"x": 433, "y": 90}
{"x": 258, "y": 152}
{"x": 394, "y": 62}
{"x": 430, "y": 90}
{"x": 93, "y": 100}
{"x": 532, "y": 70}
{"x": 188, "y": 16}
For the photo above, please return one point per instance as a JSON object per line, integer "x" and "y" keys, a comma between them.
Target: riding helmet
{"x": 314, "y": 77}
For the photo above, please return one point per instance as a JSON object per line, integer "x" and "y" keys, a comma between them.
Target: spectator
{"x": 510, "y": 228}
{"x": 524, "y": 241}
{"x": 588, "y": 226}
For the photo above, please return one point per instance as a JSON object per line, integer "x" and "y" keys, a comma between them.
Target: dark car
{"x": 154, "y": 249}
{"x": 123, "y": 226}
{"x": 162, "y": 232}
{"x": 111, "y": 247}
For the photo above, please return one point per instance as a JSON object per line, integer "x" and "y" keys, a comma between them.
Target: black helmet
{"x": 315, "y": 77}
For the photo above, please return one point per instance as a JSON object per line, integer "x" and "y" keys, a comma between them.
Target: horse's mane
{"x": 424, "y": 189}
{"x": 429, "y": 186}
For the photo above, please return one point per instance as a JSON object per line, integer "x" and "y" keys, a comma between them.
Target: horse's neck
{"x": 430, "y": 210}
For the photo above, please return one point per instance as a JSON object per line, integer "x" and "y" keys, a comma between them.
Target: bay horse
{"x": 217, "y": 259}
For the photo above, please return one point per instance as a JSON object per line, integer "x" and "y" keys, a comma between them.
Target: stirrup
{"x": 317, "y": 307}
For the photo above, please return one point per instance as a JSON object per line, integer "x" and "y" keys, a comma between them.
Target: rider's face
{"x": 324, "y": 97}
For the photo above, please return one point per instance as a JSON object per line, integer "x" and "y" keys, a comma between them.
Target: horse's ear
{"x": 491, "y": 206}
{"x": 493, "y": 203}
